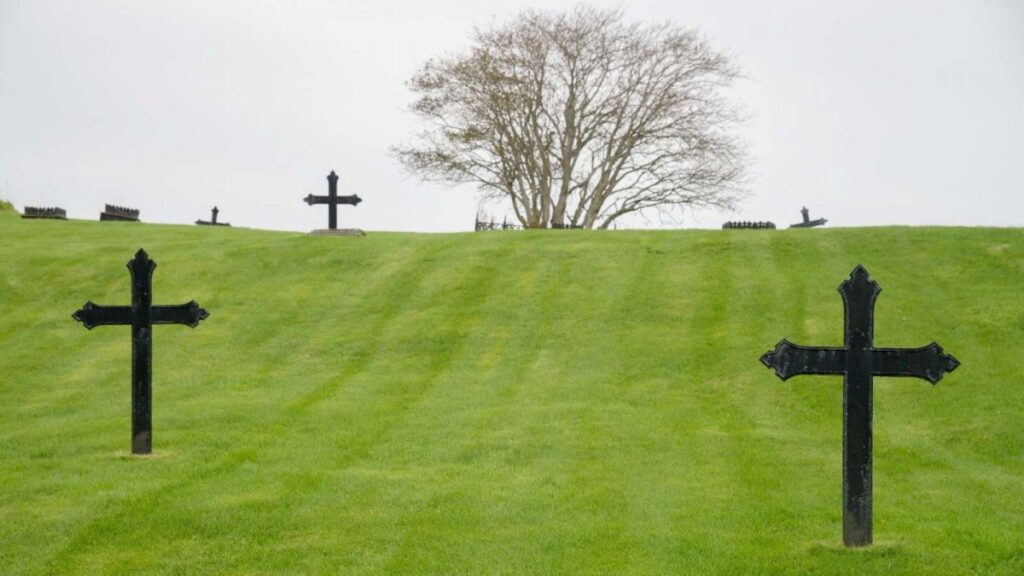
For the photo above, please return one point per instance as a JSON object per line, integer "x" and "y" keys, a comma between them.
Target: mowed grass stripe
{"x": 560, "y": 401}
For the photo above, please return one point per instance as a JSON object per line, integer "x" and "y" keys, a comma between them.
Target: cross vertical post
{"x": 332, "y": 205}
{"x": 859, "y": 296}
{"x": 141, "y": 315}
{"x": 858, "y": 361}
{"x": 141, "y": 268}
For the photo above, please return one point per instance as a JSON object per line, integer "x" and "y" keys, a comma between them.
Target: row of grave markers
{"x": 109, "y": 213}
{"x": 482, "y": 223}
{"x": 858, "y": 361}
{"x": 333, "y": 200}
{"x": 123, "y": 214}
{"x": 768, "y": 225}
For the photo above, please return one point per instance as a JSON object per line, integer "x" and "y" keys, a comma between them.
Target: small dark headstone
{"x": 807, "y": 222}
{"x": 744, "y": 225}
{"x": 213, "y": 219}
{"x": 50, "y": 213}
{"x": 119, "y": 214}
{"x": 141, "y": 315}
{"x": 858, "y": 361}
{"x": 333, "y": 200}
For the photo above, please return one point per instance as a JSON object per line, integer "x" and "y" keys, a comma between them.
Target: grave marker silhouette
{"x": 858, "y": 361}
{"x": 141, "y": 316}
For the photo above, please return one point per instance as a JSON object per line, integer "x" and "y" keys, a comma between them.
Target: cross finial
{"x": 141, "y": 263}
{"x": 859, "y": 286}
{"x": 860, "y": 280}
{"x": 859, "y": 273}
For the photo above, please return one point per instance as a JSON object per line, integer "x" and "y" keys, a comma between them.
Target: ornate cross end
{"x": 310, "y": 199}
{"x": 778, "y": 359}
{"x": 946, "y": 363}
{"x": 140, "y": 265}
{"x": 195, "y": 314}
{"x": 931, "y": 363}
{"x": 86, "y": 315}
{"x": 860, "y": 286}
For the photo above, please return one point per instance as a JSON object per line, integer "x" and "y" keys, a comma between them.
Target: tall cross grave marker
{"x": 332, "y": 200}
{"x": 141, "y": 315}
{"x": 858, "y": 361}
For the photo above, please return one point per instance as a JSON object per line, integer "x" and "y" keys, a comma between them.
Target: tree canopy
{"x": 580, "y": 118}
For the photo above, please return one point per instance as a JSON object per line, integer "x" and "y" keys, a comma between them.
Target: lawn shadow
{"x": 835, "y": 550}
{"x": 155, "y": 455}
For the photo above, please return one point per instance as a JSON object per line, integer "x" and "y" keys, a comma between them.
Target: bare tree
{"x": 580, "y": 118}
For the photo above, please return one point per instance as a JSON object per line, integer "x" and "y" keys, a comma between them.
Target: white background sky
{"x": 868, "y": 112}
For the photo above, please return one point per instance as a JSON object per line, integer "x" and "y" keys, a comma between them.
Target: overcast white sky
{"x": 868, "y": 112}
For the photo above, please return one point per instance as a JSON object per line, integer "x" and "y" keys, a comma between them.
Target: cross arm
{"x": 312, "y": 199}
{"x": 788, "y": 360}
{"x": 92, "y": 315}
{"x": 927, "y": 362}
{"x": 188, "y": 314}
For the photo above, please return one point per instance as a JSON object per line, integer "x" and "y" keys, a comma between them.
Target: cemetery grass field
{"x": 540, "y": 402}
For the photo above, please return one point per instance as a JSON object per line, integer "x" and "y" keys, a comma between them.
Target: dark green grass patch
{"x": 503, "y": 403}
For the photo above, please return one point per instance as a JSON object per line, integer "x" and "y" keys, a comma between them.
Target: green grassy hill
{"x": 503, "y": 403}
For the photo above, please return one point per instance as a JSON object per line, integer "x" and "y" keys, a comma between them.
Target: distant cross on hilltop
{"x": 332, "y": 200}
{"x": 807, "y": 222}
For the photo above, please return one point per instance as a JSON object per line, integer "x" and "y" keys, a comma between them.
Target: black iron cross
{"x": 858, "y": 361}
{"x": 332, "y": 200}
{"x": 141, "y": 315}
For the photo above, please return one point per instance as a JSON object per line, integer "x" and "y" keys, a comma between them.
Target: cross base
{"x": 338, "y": 232}
{"x": 142, "y": 443}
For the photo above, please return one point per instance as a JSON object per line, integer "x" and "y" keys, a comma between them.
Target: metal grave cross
{"x": 858, "y": 361}
{"x": 141, "y": 315}
{"x": 332, "y": 200}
